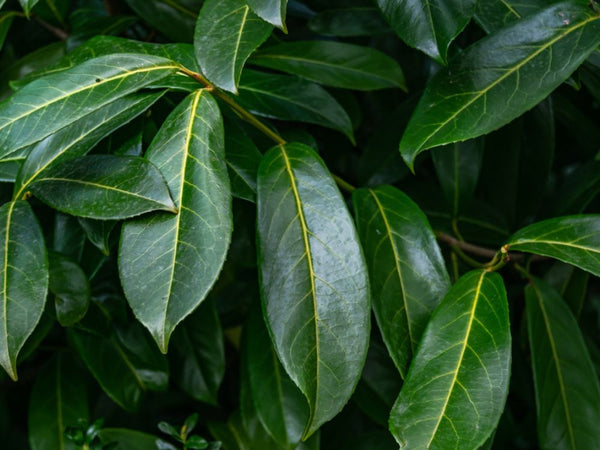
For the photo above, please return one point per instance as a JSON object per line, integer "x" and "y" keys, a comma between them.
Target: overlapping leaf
{"x": 28, "y": 5}
{"x": 357, "y": 21}
{"x": 272, "y": 11}
{"x": 71, "y": 287}
{"x": 458, "y": 380}
{"x": 334, "y": 64}
{"x": 493, "y": 15}
{"x": 168, "y": 263}
{"x": 6, "y": 19}
{"x": 175, "y": 20}
{"x": 566, "y": 385}
{"x": 571, "y": 239}
{"x": 243, "y": 159}
{"x": 407, "y": 273}
{"x": 227, "y": 33}
{"x": 314, "y": 279}
{"x": 23, "y": 280}
{"x": 498, "y": 78}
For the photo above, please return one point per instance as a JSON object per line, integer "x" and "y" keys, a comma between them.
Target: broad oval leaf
{"x": 104, "y": 187}
{"x": 428, "y": 25}
{"x": 71, "y": 287}
{"x": 406, "y": 269}
{"x": 272, "y": 11}
{"x": 46, "y": 105}
{"x": 334, "y": 64}
{"x": 457, "y": 383}
{"x": 571, "y": 239}
{"x": 23, "y": 280}
{"x": 227, "y": 33}
{"x": 314, "y": 280}
{"x": 290, "y": 98}
{"x": 567, "y": 391}
{"x": 502, "y": 76}
{"x": 169, "y": 263}
{"x": 59, "y": 399}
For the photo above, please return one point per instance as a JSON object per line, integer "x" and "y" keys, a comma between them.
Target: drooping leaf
{"x": 174, "y": 19}
{"x": 55, "y": 101}
{"x": 192, "y": 245}
{"x": 198, "y": 354}
{"x": 105, "y": 187}
{"x": 501, "y": 76}
{"x": 571, "y": 284}
{"x": 566, "y": 385}
{"x": 98, "y": 232}
{"x": 59, "y": 400}
{"x": 571, "y": 239}
{"x": 358, "y": 21}
{"x": 428, "y": 25}
{"x": 407, "y": 273}
{"x": 243, "y": 159}
{"x": 272, "y": 11}
{"x": 227, "y": 33}
{"x": 334, "y": 64}
{"x": 71, "y": 288}
{"x": 458, "y": 380}
{"x": 290, "y": 98}
{"x": 314, "y": 280}
{"x": 27, "y": 6}
{"x": 80, "y": 137}
{"x": 279, "y": 404}
{"x": 23, "y": 277}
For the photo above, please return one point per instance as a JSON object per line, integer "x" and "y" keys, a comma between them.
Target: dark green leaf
{"x": 501, "y": 76}
{"x": 359, "y": 21}
{"x": 571, "y": 239}
{"x": 226, "y": 34}
{"x": 128, "y": 439}
{"x": 272, "y": 11}
{"x": 566, "y": 385}
{"x": 169, "y": 430}
{"x": 104, "y": 187}
{"x": 24, "y": 278}
{"x": 407, "y": 273}
{"x": 98, "y": 232}
{"x": 27, "y": 5}
{"x": 59, "y": 399}
{"x": 493, "y": 15}
{"x": 458, "y": 380}
{"x": 196, "y": 442}
{"x": 428, "y": 25}
{"x": 579, "y": 189}
{"x": 6, "y": 20}
{"x": 85, "y": 25}
{"x": 290, "y": 98}
{"x": 334, "y": 64}
{"x": 71, "y": 288}
{"x": 190, "y": 423}
{"x": 314, "y": 280}
{"x": 571, "y": 284}
{"x": 172, "y": 18}
{"x": 243, "y": 159}
{"x": 189, "y": 151}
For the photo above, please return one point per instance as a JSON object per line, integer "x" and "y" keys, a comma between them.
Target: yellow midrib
{"x": 5, "y": 285}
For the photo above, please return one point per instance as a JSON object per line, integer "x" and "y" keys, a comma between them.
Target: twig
{"x": 465, "y": 246}
{"x": 61, "y": 34}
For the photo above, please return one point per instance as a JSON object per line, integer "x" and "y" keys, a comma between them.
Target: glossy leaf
{"x": 493, "y": 15}
{"x": 198, "y": 354}
{"x": 227, "y": 33}
{"x": 279, "y": 404}
{"x": 243, "y": 159}
{"x": 36, "y": 111}
{"x": 27, "y": 6}
{"x": 6, "y": 19}
{"x": 169, "y": 263}
{"x": 571, "y": 284}
{"x": 571, "y": 239}
{"x": 125, "y": 439}
{"x": 290, "y": 98}
{"x": 272, "y": 11}
{"x": 59, "y": 399}
{"x": 2, "y": 3}
{"x": 358, "y": 21}
{"x": 499, "y": 75}
{"x": 458, "y": 380}
{"x": 428, "y": 25}
{"x": 175, "y": 20}
{"x": 566, "y": 385}
{"x": 71, "y": 287}
{"x": 104, "y": 187}
{"x": 98, "y": 232}
{"x": 334, "y": 64}
{"x": 406, "y": 269}
{"x": 23, "y": 277}
{"x": 80, "y": 137}
{"x": 314, "y": 282}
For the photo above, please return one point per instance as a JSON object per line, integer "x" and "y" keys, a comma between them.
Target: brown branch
{"x": 61, "y": 34}
{"x": 465, "y": 246}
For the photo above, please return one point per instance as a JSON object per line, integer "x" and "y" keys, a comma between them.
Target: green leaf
{"x": 358, "y": 21}
{"x": 314, "y": 281}
{"x": 289, "y": 98}
{"x": 571, "y": 239}
{"x": 55, "y": 101}
{"x": 167, "y": 280}
{"x": 80, "y": 137}
{"x": 227, "y": 33}
{"x": 59, "y": 399}
{"x": 2, "y": 3}
{"x": 501, "y": 76}
{"x": 23, "y": 277}
{"x": 174, "y": 19}
{"x": 406, "y": 269}
{"x": 104, "y": 187}
{"x": 279, "y": 404}
{"x": 334, "y": 64}
{"x": 567, "y": 391}
{"x": 428, "y": 25}
{"x": 127, "y": 439}
{"x": 457, "y": 383}
{"x": 243, "y": 159}
{"x": 198, "y": 354}
{"x": 493, "y": 15}
{"x": 98, "y": 232}
{"x": 571, "y": 284}
{"x": 71, "y": 287}
{"x": 272, "y": 11}
{"x": 6, "y": 20}
{"x": 27, "y": 6}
